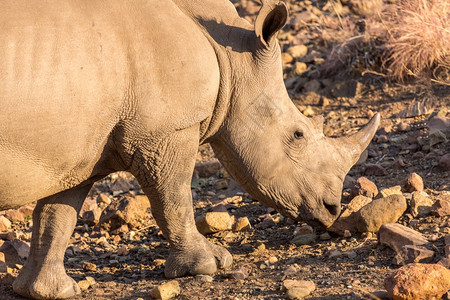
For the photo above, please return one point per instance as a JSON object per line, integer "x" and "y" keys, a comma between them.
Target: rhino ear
{"x": 271, "y": 18}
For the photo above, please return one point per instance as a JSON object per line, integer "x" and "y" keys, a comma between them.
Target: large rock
{"x": 418, "y": 281}
{"x": 381, "y": 211}
{"x": 396, "y": 236}
{"x": 413, "y": 183}
{"x": 348, "y": 219}
{"x": 394, "y": 190}
{"x": 15, "y": 252}
{"x": 213, "y": 221}
{"x": 420, "y": 204}
{"x": 19, "y": 214}
{"x": 128, "y": 210}
{"x": 440, "y": 208}
{"x": 365, "y": 187}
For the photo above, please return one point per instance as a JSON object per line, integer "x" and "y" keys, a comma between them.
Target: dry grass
{"x": 419, "y": 44}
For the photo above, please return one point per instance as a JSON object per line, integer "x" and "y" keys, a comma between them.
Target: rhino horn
{"x": 355, "y": 144}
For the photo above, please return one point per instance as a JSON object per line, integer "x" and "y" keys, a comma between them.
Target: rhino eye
{"x": 298, "y": 134}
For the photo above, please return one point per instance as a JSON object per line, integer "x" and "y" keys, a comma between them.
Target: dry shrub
{"x": 419, "y": 43}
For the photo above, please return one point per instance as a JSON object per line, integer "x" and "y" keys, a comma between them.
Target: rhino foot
{"x": 202, "y": 257}
{"x": 48, "y": 283}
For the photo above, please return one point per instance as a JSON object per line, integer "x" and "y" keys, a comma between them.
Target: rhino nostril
{"x": 333, "y": 209}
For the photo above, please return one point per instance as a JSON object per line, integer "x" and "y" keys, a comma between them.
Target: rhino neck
{"x": 228, "y": 35}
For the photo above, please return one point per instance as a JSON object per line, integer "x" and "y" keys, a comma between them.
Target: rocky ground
{"x": 117, "y": 255}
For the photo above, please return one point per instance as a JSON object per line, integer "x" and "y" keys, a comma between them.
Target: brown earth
{"x": 361, "y": 264}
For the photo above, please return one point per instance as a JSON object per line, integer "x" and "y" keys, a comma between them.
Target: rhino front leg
{"x": 165, "y": 175}
{"x": 43, "y": 276}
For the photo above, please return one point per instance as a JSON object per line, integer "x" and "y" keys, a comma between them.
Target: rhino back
{"x": 70, "y": 70}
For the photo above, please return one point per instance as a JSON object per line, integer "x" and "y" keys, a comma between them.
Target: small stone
{"x": 5, "y": 224}
{"x": 300, "y": 68}
{"x": 242, "y": 224}
{"x": 380, "y": 295}
{"x": 84, "y": 285}
{"x": 325, "y": 236}
{"x": 291, "y": 270}
{"x": 103, "y": 198}
{"x": 298, "y": 289}
{"x": 222, "y": 184}
{"x": 240, "y": 274}
{"x": 122, "y": 251}
{"x": 347, "y": 233}
{"x": 298, "y": 51}
{"x": 128, "y": 210}
{"x": 91, "y": 280}
{"x": 403, "y": 127}
{"x": 381, "y": 211}
{"x": 22, "y": 248}
{"x": 347, "y": 221}
{"x": 273, "y": 260}
{"x": 208, "y": 168}
{"x": 306, "y": 229}
{"x": 437, "y": 137}
{"x": 312, "y": 86}
{"x": 286, "y": 58}
{"x": 308, "y": 112}
{"x": 365, "y": 187}
{"x": 413, "y": 254}
{"x": 374, "y": 170}
{"x": 413, "y": 183}
{"x": 167, "y": 290}
{"x": 87, "y": 266}
{"x": 418, "y": 281}
{"x": 396, "y": 236}
{"x": 334, "y": 254}
{"x": 395, "y": 190}
{"x": 92, "y": 217}
{"x": 351, "y": 254}
{"x": 304, "y": 239}
{"x": 420, "y": 204}
{"x": 440, "y": 208}
{"x": 204, "y": 278}
{"x": 213, "y": 222}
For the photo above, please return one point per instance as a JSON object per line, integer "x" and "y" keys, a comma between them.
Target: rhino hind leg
{"x": 166, "y": 179}
{"x": 43, "y": 276}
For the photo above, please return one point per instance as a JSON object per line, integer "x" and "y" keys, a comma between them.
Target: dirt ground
{"x": 362, "y": 265}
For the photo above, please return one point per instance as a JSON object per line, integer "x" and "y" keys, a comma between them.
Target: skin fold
{"x": 88, "y": 88}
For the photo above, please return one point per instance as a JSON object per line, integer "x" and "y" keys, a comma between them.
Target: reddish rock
{"x": 5, "y": 224}
{"x": 440, "y": 208}
{"x": 365, "y": 187}
{"x": 396, "y": 236}
{"x": 348, "y": 219}
{"x": 413, "y": 254}
{"x": 19, "y": 214}
{"x": 418, "y": 281}
{"x": 128, "y": 210}
{"x": 413, "y": 183}
{"x": 381, "y": 211}
{"x": 207, "y": 168}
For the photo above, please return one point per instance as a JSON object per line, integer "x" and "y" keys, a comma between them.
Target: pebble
{"x": 212, "y": 222}
{"x": 374, "y": 170}
{"x": 84, "y": 284}
{"x": 87, "y": 266}
{"x": 304, "y": 239}
{"x": 420, "y": 204}
{"x": 298, "y": 289}
{"x": 444, "y": 162}
{"x": 3, "y": 266}
{"x": 242, "y": 224}
{"x": 403, "y": 127}
{"x": 418, "y": 281}
{"x": 167, "y": 290}
{"x": 291, "y": 270}
{"x": 347, "y": 221}
{"x": 413, "y": 183}
{"x": 204, "y": 278}
{"x": 412, "y": 253}
{"x": 334, "y": 254}
{"x": 128, "y": 210}
{"x": 305, "y": 229}
{"x": 325, "y": 236}
{"x": 395, "y": 190}
{"x": 207, "y": 169}
{"x": 297, "y": 51}
{"x": 364, "y": 187}
{"x": 286, "y": 58}
{"x": 240, "y": 273}
{"x": 273, "y": 260}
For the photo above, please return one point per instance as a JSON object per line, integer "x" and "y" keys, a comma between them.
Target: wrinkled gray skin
{"x": 89, "y": 87}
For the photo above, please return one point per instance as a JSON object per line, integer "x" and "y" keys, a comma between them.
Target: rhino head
{"x": 278, "y": 155}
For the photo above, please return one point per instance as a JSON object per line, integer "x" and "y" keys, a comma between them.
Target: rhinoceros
{"x": 90, "y": 87}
